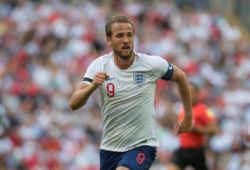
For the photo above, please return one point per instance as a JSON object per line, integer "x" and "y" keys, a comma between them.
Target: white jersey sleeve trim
{"x": 94, "y": 67}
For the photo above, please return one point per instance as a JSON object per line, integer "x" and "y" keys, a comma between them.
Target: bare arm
{"x": 84, "y": 90}
{"x": 180, "y": 78}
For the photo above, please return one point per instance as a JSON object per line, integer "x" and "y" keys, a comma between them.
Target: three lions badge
{"x": 139, "y": 78}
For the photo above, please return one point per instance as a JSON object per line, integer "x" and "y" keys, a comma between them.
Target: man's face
{"x": 122, "y": 40}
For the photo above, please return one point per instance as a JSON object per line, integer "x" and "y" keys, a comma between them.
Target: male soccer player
{"x": 192, "y": 151}
{"x": 126, "y": 81}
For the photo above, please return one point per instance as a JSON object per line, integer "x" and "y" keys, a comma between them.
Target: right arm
{"x": 84, "y": 90}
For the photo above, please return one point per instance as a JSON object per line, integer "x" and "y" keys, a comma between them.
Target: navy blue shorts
{"x": 140, "y": 158}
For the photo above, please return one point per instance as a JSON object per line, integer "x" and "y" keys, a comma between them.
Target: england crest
{"x": 139, "y": 78}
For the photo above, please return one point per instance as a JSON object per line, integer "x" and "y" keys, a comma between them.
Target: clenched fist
{"x": 99, "y": 78}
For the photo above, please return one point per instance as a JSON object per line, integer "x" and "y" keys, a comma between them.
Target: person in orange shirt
{"x": 192, "y": 144}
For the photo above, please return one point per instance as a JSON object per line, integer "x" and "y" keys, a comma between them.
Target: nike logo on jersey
{"x": 110, "y": 78}
{"x": 170, "y": 67}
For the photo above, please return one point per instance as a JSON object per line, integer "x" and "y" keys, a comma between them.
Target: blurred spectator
{"x": 192, "y": 150}
{"x": 45, "y": 46}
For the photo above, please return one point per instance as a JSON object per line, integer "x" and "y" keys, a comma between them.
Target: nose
{"x": 125, "y": 39}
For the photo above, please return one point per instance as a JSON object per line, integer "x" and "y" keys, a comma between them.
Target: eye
{"x": 130, "y": 34}
{"x": 119, "y": 35}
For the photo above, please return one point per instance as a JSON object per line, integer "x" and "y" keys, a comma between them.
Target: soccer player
{"x": 126, "y": 81}
{"x": 192, "y": 144}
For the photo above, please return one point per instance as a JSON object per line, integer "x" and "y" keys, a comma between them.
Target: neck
{"x": 124, "y": 63}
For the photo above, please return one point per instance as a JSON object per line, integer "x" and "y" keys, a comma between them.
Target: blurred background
{"x": 46, "y": 46}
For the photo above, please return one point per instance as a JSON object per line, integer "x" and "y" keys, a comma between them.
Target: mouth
{"x": 125, "y": 47}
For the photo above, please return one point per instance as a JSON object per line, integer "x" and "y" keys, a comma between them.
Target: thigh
{"x": 109, "y": 160}
{"x": 200, "y": 165}
{"x": 138, "y": 158}
{"x": 199, "y": 161}
{"x": 178, "y": 159}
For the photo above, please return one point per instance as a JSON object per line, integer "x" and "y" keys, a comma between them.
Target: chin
{"x": 125, "y": 57}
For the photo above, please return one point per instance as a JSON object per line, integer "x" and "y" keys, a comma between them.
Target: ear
{"x": 108, "y": 41}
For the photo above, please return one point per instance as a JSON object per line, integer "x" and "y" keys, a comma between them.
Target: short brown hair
{"x": 116, "y": 19}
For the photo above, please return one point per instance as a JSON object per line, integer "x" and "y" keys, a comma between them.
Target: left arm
{"x": 180, "y": 78}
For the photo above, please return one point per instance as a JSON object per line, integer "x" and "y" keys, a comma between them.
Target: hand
{"x": 99, "y": 78}
{"x": 184, "y": 126}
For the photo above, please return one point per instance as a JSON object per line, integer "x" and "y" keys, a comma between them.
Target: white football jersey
{"x": 127, "y": 100}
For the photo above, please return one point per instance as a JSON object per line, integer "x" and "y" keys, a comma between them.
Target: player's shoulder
{"x": 148, "y": 57}
{"x": 151, "y": 59}
{"x": 102, "y": 59}
{"x": 107, "y": 56}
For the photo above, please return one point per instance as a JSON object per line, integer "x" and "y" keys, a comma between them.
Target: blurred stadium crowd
{"x": 45, "y": 47}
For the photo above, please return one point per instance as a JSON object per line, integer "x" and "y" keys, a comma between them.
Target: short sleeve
{"x": 94, "y": 67}
{"x": 162, "y": 68}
